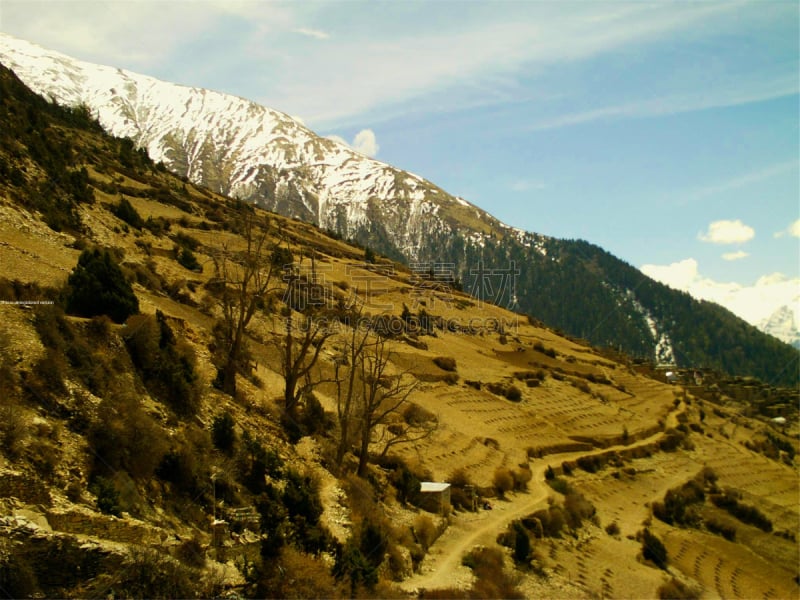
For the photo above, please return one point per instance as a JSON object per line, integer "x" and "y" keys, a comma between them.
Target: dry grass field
{"x": 519, "y": 396}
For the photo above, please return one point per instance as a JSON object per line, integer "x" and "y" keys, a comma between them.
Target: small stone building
{"x": 435, "y": 496}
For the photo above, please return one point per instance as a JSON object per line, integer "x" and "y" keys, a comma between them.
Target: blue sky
{"x": 665, "y": 132}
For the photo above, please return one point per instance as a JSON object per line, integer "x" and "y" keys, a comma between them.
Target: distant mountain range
{"x": 782, "y": 325}
{"x": 245, "y": 150}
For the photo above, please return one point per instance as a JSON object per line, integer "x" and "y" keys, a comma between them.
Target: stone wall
{"x": 125, "y": 530}
{"x": 14, "y": 484}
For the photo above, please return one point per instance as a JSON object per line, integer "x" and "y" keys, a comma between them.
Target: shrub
{"x": 653, "y": 549}
{"x": 125, "y": 211}
{"x": 296, "y": 575}
{"x": 497, "y": 388}
{"x": 577, "y": 508}
{"x": 513, "y": 393}
{"x": 107, "y": 496}
{"x": 522, "y": 545}
{"x": 744, "y": 512}
{"x": 675, "y": 589}
{"x": 180, "y": 467}
{"x": 191, "y": 554}
{"x": 521, "y": 477}
{"x": 223, "y": 434}
{"x": 718, "y": 527}
{"x": 547, "y": 522}
{"x": 407, "y": 484}
{"x": 150, "y": 574}
{"x": 12, "y": 430}
{"x": 460, "y": 499}
{"x": 612, "y": 528}
{"x": 491, "y": 580}
{"x": 97, "y": 286}
{"x": 559, "y": 485}
{"x": 445, "y": 363}
{"x": 353, "y": 565}
{"x": 188, "y": 260}
{"x": 185, "y": 240}
{"x": 167, "y": 366}
{"x": 503, "y": 481}
{"x": 273, "y": 518}
{"x": 459, "y": 478}
{"x": 591, "y": 463}
{"x": 255, "y": 461}
{"x": 424, "y": 531}
{"x": 672, "y": 440}
{"x": 124, "y": 437}
{"x": 414, "y": 414}
{"x": 676, "y": 502}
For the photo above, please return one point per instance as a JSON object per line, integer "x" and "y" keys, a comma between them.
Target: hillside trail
{"x": 441, "y": 567}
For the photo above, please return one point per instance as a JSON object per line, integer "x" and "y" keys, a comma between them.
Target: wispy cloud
{"x": 379, "y": 63}
{"x": 135, "y": 35}
{"x": 379, "y": 73}
{"x": 759, "y": 91}
{"x": 741, "y": 181}
{"x": 314, "y": 33}
{"x": 727, "y": 232}
{"x": 738, "y": 255}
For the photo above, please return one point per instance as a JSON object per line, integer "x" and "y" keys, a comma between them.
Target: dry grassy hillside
{"x": 128, "y": 469}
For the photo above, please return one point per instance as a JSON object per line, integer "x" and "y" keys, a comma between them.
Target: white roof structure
{"x": 433, "y": 486}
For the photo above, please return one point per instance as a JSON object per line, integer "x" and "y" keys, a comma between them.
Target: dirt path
{"x": 442, "y": 566}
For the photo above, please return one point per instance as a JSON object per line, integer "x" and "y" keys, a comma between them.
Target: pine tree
{"x": 97, "y": 286}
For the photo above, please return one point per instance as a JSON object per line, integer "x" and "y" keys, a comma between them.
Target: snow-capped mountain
{"x": 245, "y": 150}
{"x": 782, "y": 325}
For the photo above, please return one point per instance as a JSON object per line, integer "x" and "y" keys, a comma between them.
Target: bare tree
{"x": 301, "y": 347}
{"x": 348, "y": 385}
{"x": 381, "y": 394}
{"x": 413, "y": 425}
{"x": 303, "y": 338}
{"x": 372, "y": 403}
{"x": 243, "y": 278}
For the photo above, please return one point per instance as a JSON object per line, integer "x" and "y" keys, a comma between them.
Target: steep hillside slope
{"x": 125, "y": 470}
{"x": 241, "y": 149}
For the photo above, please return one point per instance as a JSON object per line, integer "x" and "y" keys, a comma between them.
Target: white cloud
{"x": 792, "y": 230}
{"x": 314, "y": 33}
{"x": 738, "y": 255}
{"x": 727, "y": 232}
{"x": 753, "y": 302}
{"x": 364, "y": 142}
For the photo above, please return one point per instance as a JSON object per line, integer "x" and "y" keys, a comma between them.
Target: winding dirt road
{"x": 442, "y": 567}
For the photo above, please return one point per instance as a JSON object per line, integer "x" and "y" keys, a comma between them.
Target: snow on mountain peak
{"x": 242, "y": 149}
{"x": 783, "y": 325}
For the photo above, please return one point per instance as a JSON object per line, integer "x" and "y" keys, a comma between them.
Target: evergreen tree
{"x": 97, "y": 286}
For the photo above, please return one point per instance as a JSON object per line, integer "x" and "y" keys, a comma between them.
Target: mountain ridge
{"x": 218, "y": 141}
